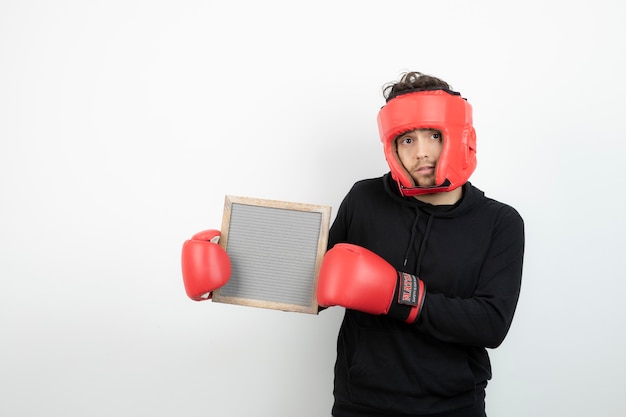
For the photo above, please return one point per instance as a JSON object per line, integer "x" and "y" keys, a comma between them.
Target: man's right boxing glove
{"x": 205, "y": 264}
{"x": 356, "y": 278}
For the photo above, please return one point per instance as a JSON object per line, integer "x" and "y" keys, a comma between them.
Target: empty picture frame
{"x": 276, "y": 250}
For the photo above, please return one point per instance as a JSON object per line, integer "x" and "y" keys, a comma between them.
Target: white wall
{"x": 124, "y": 123}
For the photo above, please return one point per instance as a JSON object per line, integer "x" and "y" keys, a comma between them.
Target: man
{"x": 428, "y": 268}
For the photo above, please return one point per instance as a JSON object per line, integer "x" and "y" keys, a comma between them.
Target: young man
{"x": 428, "y": 268}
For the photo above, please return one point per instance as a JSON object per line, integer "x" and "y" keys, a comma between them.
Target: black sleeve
{"x": 339, "y": 229}
{"x": 485, "y": 318}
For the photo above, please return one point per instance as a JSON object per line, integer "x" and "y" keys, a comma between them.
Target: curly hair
{"x": 413, "y": 81}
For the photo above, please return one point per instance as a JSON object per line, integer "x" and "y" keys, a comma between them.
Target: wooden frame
{"x": 276, "y": 250}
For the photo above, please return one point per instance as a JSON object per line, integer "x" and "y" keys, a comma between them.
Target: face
{"x": 419, "y": 151}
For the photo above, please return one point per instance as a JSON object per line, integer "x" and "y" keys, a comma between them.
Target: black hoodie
{"x": 470, "y": 257}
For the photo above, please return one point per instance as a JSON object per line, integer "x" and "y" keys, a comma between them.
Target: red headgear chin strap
{"x": 442, "y": 110}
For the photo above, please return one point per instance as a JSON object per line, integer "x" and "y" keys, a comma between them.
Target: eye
{"x": 436, "y": 136}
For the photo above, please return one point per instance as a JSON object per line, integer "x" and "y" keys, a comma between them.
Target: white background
{"x": 123, "y": 124}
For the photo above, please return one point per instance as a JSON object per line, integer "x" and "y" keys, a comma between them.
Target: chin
{"x": 425, "y": 183}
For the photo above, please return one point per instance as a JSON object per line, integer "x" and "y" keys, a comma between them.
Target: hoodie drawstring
{"x": 422, "y": 246}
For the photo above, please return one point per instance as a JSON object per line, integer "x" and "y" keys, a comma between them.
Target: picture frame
{"x": 276, "y": 250}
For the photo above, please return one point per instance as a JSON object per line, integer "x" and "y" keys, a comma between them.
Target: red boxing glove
{"x": 205, "y": 264}
{"x": 356, "y": 278}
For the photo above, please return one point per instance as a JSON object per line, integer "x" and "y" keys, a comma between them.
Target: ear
{"x": 469, "y": 139}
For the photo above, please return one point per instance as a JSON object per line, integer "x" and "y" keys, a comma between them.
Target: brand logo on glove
{"x": 408, "y": 292}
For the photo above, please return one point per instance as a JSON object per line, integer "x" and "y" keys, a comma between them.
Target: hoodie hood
{"x": 430, "y": 212}
{"x": 471, "y": 195}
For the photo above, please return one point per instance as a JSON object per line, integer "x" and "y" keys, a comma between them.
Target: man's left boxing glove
{"x": 205, "y": 264}
{"x": 356, "y": 278}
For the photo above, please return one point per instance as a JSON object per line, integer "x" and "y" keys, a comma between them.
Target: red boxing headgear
{"x": 437, "y": 109}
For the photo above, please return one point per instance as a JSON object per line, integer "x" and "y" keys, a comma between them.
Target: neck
{"x": 440, "y": 199}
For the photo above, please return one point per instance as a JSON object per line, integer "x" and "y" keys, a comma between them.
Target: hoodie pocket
{"x": 408, "y": 373}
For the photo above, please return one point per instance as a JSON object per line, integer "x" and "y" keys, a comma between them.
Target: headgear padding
{"x": 441, "y": 110}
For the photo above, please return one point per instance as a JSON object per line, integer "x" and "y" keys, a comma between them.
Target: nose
{"x": 421, "y": 150}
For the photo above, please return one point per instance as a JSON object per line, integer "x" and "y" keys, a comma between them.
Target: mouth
{"x": 425, "y": 169}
